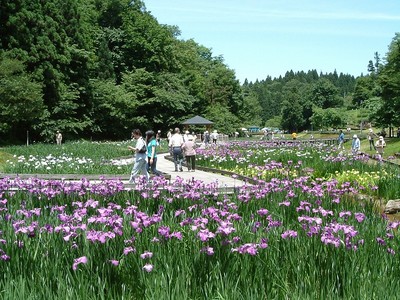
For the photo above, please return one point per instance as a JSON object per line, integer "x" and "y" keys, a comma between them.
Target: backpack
{"x": 143, "y": 150}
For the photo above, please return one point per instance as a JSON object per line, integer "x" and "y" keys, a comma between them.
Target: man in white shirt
{"x": 58, "y": 137}
{"x": 214, "y": 136}
{"x": 175, "y": 145}
{"x": 139, "y": 166}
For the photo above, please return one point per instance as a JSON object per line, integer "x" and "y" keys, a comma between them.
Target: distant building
{"x": 253, "y": 129}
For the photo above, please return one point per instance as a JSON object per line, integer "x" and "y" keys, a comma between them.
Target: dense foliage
{"x": 98, "y": 68}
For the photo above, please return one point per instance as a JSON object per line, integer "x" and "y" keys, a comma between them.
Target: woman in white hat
{"x": 214, "y": 136}
{"x": 371, "y": 135}
{"x": 380, "y": 145}
{"x": 355, "y": 145}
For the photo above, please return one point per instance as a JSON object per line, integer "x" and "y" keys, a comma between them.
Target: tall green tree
{"x": 389, "y": 80}
{"x": 324, "y": 94}
{"x": 366, "y": 87}
{"x": 49, "y": 38}
{"x": 292, "y": 117}
{"x": 251, "y": 112}
{"x": 21, "y": 99}
{"x": 224, "y": 120}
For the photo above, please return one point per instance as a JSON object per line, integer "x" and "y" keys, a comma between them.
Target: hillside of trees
{"x": 98, "y": 68}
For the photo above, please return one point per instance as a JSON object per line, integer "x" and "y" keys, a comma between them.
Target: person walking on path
{"x": 158, "y": 138}
{"x": 380, "y": 146}
{"x": 214, "y": 136}
{"x": 140, "y": 164}
{"x": 175, "y": 145}
{"x": 355, "y": 145}
{"x": 341, "y": 140}
{"x": 371, "y": 135}
{"x": 58, "y": 137}
{"x": 188, "y": 147}
{"x": 206, "y": 138}
{"x": 152, "y": 144}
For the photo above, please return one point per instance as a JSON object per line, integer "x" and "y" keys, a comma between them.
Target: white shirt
{"x": 140, "y": 144}
{"x": 176, "y": 140}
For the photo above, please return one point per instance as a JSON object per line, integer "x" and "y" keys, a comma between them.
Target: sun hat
{"x": 355, "y": 136}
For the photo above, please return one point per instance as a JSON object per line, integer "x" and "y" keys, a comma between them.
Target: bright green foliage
{"x": 308, "y": 89}
{"x": 327, "y": 118}
{"x": 324, "y": 94}
{"x": 251, "y": 109}
{"x": 225, "y": 121}
{"x": 366, "y": 87}
{"x": 20, "y": 96}
{"x": 106, "y": 66}
{"x": 111, "y": 104}
{"x": 389, "y": 80}
{"x": 292, "y": 108}
{"x": 292, "y": 117}
{"x": 48, "y": 37}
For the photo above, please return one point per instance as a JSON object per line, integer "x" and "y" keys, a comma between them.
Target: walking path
{"x": 164, "y": 165}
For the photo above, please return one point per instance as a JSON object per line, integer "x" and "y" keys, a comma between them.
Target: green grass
{"x": 392, "y": 144}
{"x": 4, "y": 156}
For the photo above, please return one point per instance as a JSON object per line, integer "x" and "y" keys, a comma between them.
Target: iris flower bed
{"x": 290, "y": 235}
{"x": 80, "y": 157}
{"x": 265, "y": 161}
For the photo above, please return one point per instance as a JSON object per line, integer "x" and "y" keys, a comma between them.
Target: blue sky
{"x": 260, "y": 38}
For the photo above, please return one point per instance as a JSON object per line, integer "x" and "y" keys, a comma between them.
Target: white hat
{"x": 355, "y": 136}
{"x": 215, "y": 130}
{"x": 381, "y": 137}
{"x": 370, "y": 130}
{"x": 186, "y": 132}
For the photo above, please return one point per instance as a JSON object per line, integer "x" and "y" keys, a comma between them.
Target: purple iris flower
{"x": 146, "y": 254}
{"x": 114, "y": 262}
{"x": 148, "y": 268}
{"x": 289, "y": 234}
{"x": 208, "y": 250}
{"x": 77, "y": 261}
{"x": 380, "y": 241}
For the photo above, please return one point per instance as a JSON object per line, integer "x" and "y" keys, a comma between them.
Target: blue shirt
{"x": 355, "y": 144}
{"x": 150, "y": 145}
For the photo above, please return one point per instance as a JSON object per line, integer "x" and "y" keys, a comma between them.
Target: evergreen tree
{"x": 389, "y": 80}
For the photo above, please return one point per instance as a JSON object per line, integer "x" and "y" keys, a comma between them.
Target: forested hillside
{"x": 98, "y": 68}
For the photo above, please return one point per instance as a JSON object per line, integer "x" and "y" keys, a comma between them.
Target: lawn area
{"x": 392, "y": 144}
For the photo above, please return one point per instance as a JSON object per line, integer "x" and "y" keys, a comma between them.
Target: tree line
{"x": 310, "y": 101}
{"x": 98, "y": 68}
